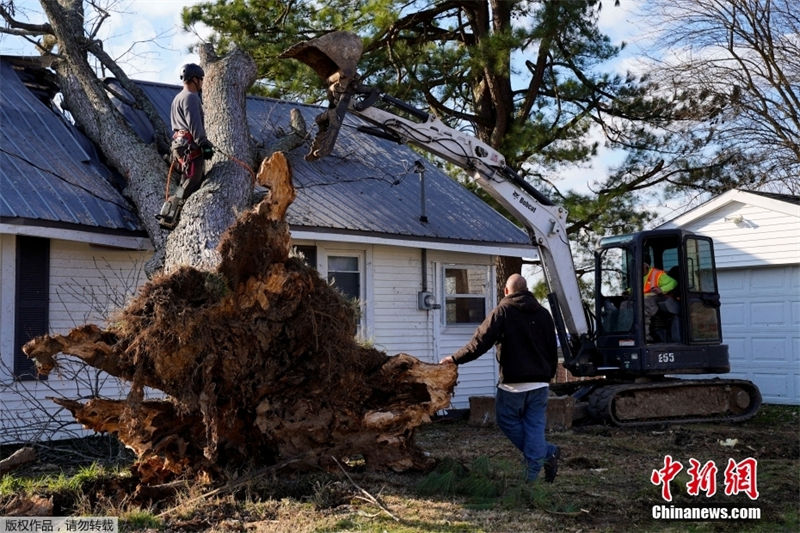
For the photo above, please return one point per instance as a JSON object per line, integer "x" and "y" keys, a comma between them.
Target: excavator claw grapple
{"x": 334, "y": 57}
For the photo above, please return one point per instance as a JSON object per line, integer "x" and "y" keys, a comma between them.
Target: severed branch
{"x": 366, "y": 495}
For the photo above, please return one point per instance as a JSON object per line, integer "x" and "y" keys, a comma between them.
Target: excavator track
{"x": 675, "y": 401}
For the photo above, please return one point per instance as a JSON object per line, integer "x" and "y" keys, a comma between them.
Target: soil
{"x": 603, "y": 484}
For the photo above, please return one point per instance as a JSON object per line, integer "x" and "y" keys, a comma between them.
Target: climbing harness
{"x": 185, "y": 155}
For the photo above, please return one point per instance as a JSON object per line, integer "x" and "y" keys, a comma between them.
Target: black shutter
{"x": 32, "y": 300}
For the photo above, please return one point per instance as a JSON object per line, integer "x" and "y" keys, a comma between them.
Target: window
{"x": 700, "y": 265}
{"x": 344, "y": 274}
{"x": 465, "y": 289}
{"x": 32, "y": 300}
{"x": 703, "y": 298}
{"x": 308, "y": 254}
{"x": 616, "y": 279}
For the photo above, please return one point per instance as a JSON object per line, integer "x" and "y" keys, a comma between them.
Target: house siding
{"x": 399, "y": 326}
{"x": 396, "y": 325}
{"x": 748, "y": 235}
{"x": 88, "y": 283}
{"x": 85, "y": 283}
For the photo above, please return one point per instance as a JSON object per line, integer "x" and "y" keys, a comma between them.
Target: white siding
{"x": 400, "y": 327}
{"x": 762, "y": 237}
{"x": 748, "y": 230}
{"x": 86, "y": 284}
{"x": 397, "y": 326}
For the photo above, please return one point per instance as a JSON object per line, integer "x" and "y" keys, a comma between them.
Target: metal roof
{"x": 49, "y": 172}
{"x": 51, "y": 175}
{"x": 368, "y": 184}
{"x": 789, "y": 198}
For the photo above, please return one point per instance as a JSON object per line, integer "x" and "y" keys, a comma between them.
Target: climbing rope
{"x": 229, "y": 156}
{"x": 241, "y": 164}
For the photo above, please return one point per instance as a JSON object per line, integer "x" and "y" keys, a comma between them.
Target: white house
{"x": 72, "y": 248}
{"x": 757, "y": 247}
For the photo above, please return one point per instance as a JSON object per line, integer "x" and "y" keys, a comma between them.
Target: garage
{"x": 757, "y": 247}
{"x": 757, "y": 311}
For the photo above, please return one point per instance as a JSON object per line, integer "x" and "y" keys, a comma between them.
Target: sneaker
{"x": 551, "y": 466}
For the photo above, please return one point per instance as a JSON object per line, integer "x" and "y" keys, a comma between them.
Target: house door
{"x": 466, "y": 294}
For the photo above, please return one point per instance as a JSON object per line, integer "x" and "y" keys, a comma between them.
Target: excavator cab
{"x": 676, "y": 332}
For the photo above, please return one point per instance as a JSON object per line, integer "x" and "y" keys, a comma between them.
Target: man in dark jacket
{"x": 526, "y": 349}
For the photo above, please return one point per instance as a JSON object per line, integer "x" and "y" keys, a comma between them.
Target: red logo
{"x": 738, "y": 477}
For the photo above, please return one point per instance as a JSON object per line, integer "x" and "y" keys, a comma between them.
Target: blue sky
{"x": 144, "y": 36}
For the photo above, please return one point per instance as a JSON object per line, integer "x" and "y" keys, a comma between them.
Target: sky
{"x": 147, "y": 39}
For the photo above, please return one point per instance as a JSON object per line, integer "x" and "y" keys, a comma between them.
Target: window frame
{"x": 360, "y": 255}
{"x": 485, "y": 296}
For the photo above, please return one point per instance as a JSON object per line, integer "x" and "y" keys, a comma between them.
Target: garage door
{"x": 761, "y": 325}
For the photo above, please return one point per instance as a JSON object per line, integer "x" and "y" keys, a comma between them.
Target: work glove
{"x": 207, "y": 148}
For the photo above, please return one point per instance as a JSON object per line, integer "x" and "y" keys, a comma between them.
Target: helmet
{"x": 190, "y": 71}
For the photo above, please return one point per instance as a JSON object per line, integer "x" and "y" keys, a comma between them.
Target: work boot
{"x": 551, "y": 466}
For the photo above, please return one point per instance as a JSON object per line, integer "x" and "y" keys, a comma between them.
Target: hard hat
{"x": 190, "y": 71}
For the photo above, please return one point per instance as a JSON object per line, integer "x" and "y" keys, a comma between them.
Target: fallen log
{"x": 258, "y": 361}
{"x": 17, "y": 459}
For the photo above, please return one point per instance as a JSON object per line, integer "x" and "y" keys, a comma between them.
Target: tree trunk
{"x": 505, "y": 266}
{"x": 254, "y": 351}
{"x": 259, "y": 362}
{"x": 228, "y": 185}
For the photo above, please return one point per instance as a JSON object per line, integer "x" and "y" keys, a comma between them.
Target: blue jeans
{"x": 522, "y": 417}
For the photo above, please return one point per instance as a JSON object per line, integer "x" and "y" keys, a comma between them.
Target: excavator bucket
{"x": 338, "y": 51}
{"x": 334, "y": 57}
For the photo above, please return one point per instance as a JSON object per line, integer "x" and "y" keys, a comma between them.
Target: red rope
{"x": 237, "y": 161}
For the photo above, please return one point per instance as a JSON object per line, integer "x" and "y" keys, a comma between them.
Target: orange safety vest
{"x": 652, "y": 279}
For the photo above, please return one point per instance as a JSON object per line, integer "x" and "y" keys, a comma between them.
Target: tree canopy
{"x": 525, "y": 77}
{"x": 535, "y": 80}
{"x": 735, "y": 67}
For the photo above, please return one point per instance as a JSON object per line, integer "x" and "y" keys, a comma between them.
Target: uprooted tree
{"x": 255, "y": 352}
{"x": 259, "y": 363}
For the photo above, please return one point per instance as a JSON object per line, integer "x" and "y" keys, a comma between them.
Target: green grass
{"x": 60, "y": 482}
{"x": 138, "y": 520}
{"x": 487, "y": 484}
{"x": 772, "y": 415}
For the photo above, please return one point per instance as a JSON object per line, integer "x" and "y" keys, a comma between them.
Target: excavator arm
{"x": 544, "y": 221}
{"x": 613, "y": 354}
{"x": 332, "y": 57}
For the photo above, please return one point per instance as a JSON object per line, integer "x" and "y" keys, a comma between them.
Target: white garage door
{"x": 761, "y": 325}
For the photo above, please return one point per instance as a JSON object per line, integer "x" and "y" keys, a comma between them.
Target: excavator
{"x": 630, "y": 363}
